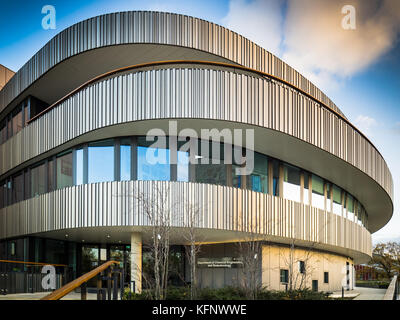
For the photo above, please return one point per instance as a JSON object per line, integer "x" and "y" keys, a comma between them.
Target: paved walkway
{"x": 38, "y": 295}
{"x": 370, "y": 293}
{"x": 360, "y": 293}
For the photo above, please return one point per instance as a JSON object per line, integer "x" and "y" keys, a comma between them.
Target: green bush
{"x": 229, "y": 293}
{"x": 381, "y": 284}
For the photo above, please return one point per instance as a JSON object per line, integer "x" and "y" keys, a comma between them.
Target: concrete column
{"x": 136, "y": 260}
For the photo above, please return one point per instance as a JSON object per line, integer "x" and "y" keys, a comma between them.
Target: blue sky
{"x": 357, "y": 69}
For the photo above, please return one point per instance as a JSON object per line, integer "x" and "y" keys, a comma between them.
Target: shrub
{"x": 229, "y": 293}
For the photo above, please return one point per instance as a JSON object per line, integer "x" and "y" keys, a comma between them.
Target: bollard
{"x": 342, "y": 292}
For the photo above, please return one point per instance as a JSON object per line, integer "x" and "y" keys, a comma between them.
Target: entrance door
{"x": 90, "y": 260}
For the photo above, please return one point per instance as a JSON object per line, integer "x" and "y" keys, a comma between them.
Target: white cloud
{"x": 309, "y": 35}
{"x": 365, "y": 124}
{"x": 258, "y": 20}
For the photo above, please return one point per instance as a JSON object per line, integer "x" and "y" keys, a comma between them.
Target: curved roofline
{"x": 48, "y": 43}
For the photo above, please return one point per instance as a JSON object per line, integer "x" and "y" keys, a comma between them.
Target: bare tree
{"x": 192, "y": 220}
{"x": 156, "y": 205}
{"x": 249, "y": 251}
{"x": 298, "y": 280}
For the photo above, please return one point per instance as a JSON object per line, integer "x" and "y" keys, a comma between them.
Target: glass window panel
{"x": 125, "y": 150}
{"x": 259, "y": 177}
{"x": 38, "y": 180}
{"x": 306, "y": 194}
{"x": 79, "y": 166}
{"x": 350, "y": 207}
{"x": 17, "y": 121}
{"x": 211, "y": 173}
{"x": 27, "y": 185}
{"x": 153, "y": 164}
{"x": 101, "y": 161}
{"x": 337, "y": 200}
{"x": 236, "y": 179}
{"x": 18, "y": 188}
{"x": 26, "y": 114}
{"x": 328, "y": 196}
{"x": 291, "y": 183}
{"x": 64, "y": 170}
{"x": 50, "y": 175}
{"x": 318, "y": 198}
{"x": 275, "y": 177}
{"x": 211, "y": 168}
{"x": 9, "y": 128}
{"x": 183, "y": 166}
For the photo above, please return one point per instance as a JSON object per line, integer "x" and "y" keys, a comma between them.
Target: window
{"x": 18, "y": 188}
{"x": 326, "y": 277}
{"x": 9, "y": 128}
{"x": 259, "y": 177}
{"x": 210, "y": 167}
{"x": 101, "y": 161}
{"x": 38, "y": 180}
{"x": 306, "y": 193}
{"x": 51, "y": 183}
{"x": 17, "y": 120}
{"x": 291, "y": 183}
{"x": 183, "y": 166}
{"x": 302, "y": 267}
{"x": 350, "y": 207}
{"x": 64, "y": 170}
{"x": 79, "y": 166}
{"x": 328, "y": 196}
{"x": 284, "y": 276}
{"x": 153, "y": 163}
{"x": 26, "y": 113}
{"x": 337, "y": 200}
{"x": 125, "y": 159}
{"x": 275, "y": 178}
{"x": 318, "y": 198}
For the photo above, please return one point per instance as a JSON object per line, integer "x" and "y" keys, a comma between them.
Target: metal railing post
{"x": 99, "y": 286}
{"x": 84, "y": 291}
{"x": 109, "y": 278}
{"x": 115, "y": 285}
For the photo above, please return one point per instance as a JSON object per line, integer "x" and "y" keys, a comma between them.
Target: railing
{"x": 393, "y": 290}
{"x": 82, "y": 280}
{"x": 26, "y": 280}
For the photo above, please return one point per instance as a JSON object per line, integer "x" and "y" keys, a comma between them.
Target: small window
{"x": 302, "y": 267}
{"x": 326, "y": 277}
{"x": 284, "y": 276}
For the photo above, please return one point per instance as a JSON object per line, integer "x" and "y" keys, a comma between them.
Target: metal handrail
{"x": 34, "y": 263}
{"x": 64, "y": 290}
{"x": 391, "y": 292}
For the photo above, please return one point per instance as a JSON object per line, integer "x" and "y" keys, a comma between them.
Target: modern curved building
{"x": 74, "y": 121}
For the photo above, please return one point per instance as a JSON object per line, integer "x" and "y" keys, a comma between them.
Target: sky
{"x": 358, "y": 68}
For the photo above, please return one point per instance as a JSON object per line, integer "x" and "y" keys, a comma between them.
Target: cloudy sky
{"x": 358, "y": 69}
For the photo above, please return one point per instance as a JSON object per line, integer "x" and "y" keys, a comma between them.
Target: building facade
{"x": 74, "y": 128}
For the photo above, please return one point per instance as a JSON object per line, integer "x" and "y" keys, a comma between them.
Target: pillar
{"x": 136, "y": 260}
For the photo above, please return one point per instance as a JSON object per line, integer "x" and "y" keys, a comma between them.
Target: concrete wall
{"x": 275, "y": 258}
{"x": 5, "y": 75}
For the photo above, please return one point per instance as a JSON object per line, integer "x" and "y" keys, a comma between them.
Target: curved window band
{"x": 134, "y": 158}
